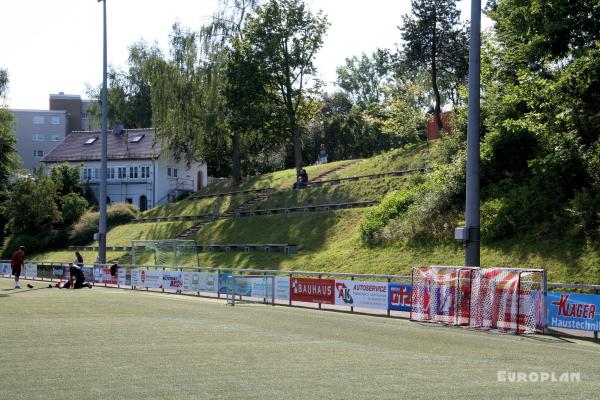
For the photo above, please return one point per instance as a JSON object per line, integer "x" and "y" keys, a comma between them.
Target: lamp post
{"x": 472, "y": 228}
{"x": 102, "y": 227}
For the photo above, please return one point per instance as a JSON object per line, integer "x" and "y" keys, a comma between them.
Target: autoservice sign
{"x": 365, "y": 294}
{"x": 573, "y": 311}
{"x": 312, "y": 290}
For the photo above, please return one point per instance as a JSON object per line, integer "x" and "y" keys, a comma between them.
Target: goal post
{"x": 441, "y": 294}
{"x": 167, "y": 252}
{"x": 503, "y": 300}
{"x": 256, "y": 288}
{"x": 509, "y": 300}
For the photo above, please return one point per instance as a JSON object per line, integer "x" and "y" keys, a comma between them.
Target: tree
{"x": 66, "y": 179}
{"x": 365, "y": 79}
{"x": 32, "y": 206}
{"x": 8, "y": 157}
{"x": 225, "y": 82}
{"x": 282, "y": 40}
{"x": 129, "y": 92}
{"x": 435, "y": 41}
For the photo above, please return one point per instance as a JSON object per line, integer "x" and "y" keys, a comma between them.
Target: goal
{"x": 166, "y": 252}
{"x": 255, "y": 288}
{"x": 496, "y": 299}
{"x": 442, "y": 294}
{"x": 509, "y": 300}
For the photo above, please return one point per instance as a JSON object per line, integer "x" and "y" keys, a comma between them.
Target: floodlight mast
{"x": 472, "y": 250}
{"x": 102, "y": 225}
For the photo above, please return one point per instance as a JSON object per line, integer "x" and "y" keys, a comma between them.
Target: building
{"x": 37, "y": 133}
{"x": 139, "y": 171}
{"x": 433, "y": 132}
{"x": 76, "y": 109}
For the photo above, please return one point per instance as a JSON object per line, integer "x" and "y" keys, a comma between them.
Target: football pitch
{"x": 123, "y": 344}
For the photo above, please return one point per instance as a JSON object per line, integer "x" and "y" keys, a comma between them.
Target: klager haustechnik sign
{"x": 573, "y": 311}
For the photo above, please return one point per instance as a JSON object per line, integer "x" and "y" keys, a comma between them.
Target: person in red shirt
{"x": 17, "y": 262}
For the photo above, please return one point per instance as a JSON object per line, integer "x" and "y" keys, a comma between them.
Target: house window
{"x": 87, "y": 173}
{"x": 169, "y": 171}
{"x": 145, "y": 171}
{"x": 55, "y": 120}
{"x": 133, "y": 172}
{"x": 38, "y": 153}
{"x": 55, "y": 138}
{"x": 122, "y": 172}
{"x": 175, "y": 172}
{"x": 96, "y": 173}
{"x": 84, "y": 115}
{"x": 91, "y": 140}
{"x": 37, "y": 137}
{"x": 38, "y": 119}
{"x": 110, "y": 173}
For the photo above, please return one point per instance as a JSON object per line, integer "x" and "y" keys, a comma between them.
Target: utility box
{"x": 461, "y": 233}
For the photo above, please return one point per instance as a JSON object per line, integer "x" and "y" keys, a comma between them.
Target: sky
{"x": 52, "y": 46}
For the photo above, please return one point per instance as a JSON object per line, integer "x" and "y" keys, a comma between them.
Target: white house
{"x": 138, "y": 170}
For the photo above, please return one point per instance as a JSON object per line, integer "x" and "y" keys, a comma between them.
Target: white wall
{"x": 156, "y": 187}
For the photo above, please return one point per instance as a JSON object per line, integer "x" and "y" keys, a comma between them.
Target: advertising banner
{"x": 147, "y": 278}
{"x": 172, "y": 280}
{"x": 573, "y": 311}
{"x": 312, "y": 290}
{"x": 5, "y": 269}
{"x": 365, "y": 294}
{"x": 243, "y": 287}
{"x": 399, "y": 296}
{"x": 88, "y": 272}
{"x": 282, "y": 288}
{"x": 102, "y": 275}
{"x": 30, "y": 271}
{"x": 199, "y": 282}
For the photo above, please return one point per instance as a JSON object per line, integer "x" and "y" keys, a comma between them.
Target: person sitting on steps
{"x": 301, "y": 180}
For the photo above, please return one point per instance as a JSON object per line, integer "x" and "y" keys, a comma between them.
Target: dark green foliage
{"x": 83, "y": 231}
{"x": 33, "y": 242}
{"x": 435, "y": 42}
{"x": 392, "y": 206}
{"x": 66, "y": 179}
{"x": 32, "y": 206}
{"x": 72, "y": 206}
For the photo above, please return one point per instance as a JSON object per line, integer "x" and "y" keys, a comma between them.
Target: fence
{"x": 363, "y": 293}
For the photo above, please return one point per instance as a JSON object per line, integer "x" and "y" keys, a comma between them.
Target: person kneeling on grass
{"x": 77, "y": 280}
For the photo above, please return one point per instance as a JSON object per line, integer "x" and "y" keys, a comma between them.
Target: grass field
{"x": 122, "y": 344}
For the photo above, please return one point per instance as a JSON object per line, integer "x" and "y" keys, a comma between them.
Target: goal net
{"x": 495, "y": 299}
{"x": 508, "y": 300}
{"x": 250, "y": 288}
{"x": 441, "y": 294}
{"x": 166, "y": 252}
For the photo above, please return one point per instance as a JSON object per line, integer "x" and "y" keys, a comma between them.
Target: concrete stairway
{"x": 328, "y": 174}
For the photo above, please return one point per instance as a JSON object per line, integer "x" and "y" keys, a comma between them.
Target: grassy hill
{"x": 329, "y": 240}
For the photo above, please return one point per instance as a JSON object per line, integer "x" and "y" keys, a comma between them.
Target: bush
{"x": 73, "y": 207}
{"x": 84, "y": 230}
{"x": 32, "y": 243}
{"x": 377, "y": 218}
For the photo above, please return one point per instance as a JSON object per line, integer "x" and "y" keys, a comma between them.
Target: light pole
{"x": 102, "y": 227}
{"x": 472, "y": 198}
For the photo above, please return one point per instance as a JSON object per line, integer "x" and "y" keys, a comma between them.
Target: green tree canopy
{"x": 435, "y": 41}
{"x": 282, "y": 41}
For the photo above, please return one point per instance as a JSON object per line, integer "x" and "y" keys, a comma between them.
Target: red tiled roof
{"x": 74, "y": 147}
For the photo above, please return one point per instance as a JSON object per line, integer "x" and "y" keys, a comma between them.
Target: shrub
{"x": 73, "y": 207}
{"x": 377, "y": 218}
{"x": 33, "y": 243}
{"x": 84, "y": 230}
